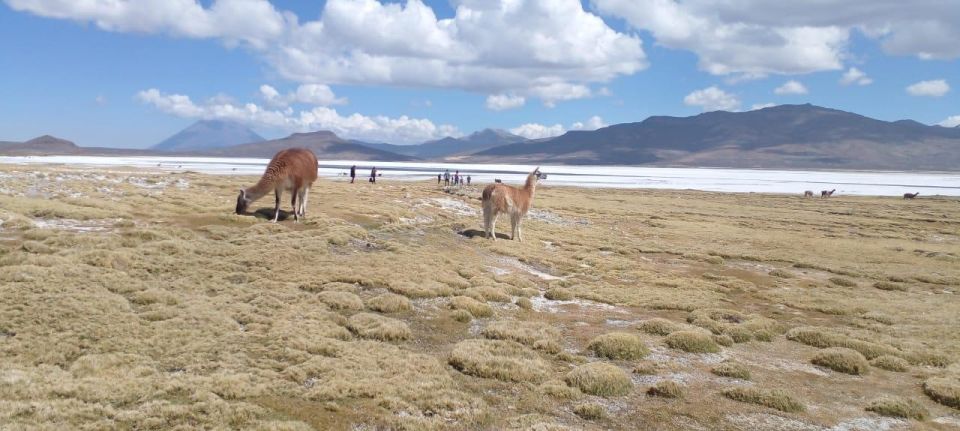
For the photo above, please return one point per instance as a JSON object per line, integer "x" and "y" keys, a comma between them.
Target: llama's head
{"x": 540, "y": 175}
{"x": 242, "y": 202}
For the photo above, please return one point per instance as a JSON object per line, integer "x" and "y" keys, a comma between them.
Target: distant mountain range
{"x": 779, "y": 137}
{"x": 452, "y": 147}
{"x": 208, "y": 135}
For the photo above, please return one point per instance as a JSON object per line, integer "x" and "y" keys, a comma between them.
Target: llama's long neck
{"x": 262, "y": 187}
{"x": 530, "y": 186}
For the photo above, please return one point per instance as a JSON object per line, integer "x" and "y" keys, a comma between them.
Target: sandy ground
{"x": 138, "y": 300}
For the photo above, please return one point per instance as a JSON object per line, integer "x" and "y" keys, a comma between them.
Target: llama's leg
{"x": 303, "y": 202}
{"x": 486, "y": 220}
{"x": 493, "y": 226}
{"x": 519, "y": 233}
{"x": 513, "y": 227}
{"x": 276, "y": 209}
{"x": 293, "y": 205}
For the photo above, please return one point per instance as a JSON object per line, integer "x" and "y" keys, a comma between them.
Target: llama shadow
{"x": 471, "y": 233}
{"x": 267, "y": 213}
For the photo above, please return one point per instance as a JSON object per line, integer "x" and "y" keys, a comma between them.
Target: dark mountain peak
{"x": 48, "y": 140}
{"x": 319, "y": 134}
{"x": 492, "y": 134}
{"x": 208, "y": 134}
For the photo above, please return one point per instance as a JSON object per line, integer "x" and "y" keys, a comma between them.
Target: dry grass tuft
{"x": 498, "y": 359}
{"x": 538, "y": 335}
{"x": 377, "y": 327}
{"x": 338, "y": 300}
{"x": 560, "y": 389}
{"x": 524, "y": 303}
{"x": 888, "y": 285}
{"x": 427, "y": 289}
{"x": 601, "y": 379}
{"x": 692, "y": 341}
{"x": 781, "y": 273}
{"x": 558, "y": 294}
{"x": 389, "y": 303}
{"x": 589, "y": 411}
{"x": 944, "y": 390}
{"x": 487, "y": 293}
{"x": 843, "y": 282}
{"x": 741, "y": 327}
{"x": 890, "y": 363}
{"x": 899, "y": 408}
{"x": 476, "y": 308}
{"x": 843, "y": 360}
{"x": 776, "y": 399}
{"x": 731, "y": 369}
{"x": 618, "y": 346}
{"x": 659, "y": 326}
{"x": 645, "y": 368}
{"x": 823, "y": 338}
{"x": 723, "y": 340}
{"x": 666, "y": 389}
{"x": 462, "y": 316}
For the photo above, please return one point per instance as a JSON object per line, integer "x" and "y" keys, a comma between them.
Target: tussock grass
{"x": 487, "y": 293}
{"x": 375, "y": 326}
{"x": 824, "y": 338}
{"x": 524, "y": 303}
{"x": 645, "y": 368}
{"x": 692, "y": 341}
{"x": 618, "y": 346}
{"x": 666, "y": 389}
{"x": 899, "y": 408}
{"x": 888, "y": 285}
{"x": 843, "y": 360}
{"x": 843, "y": 282}
{"x": 741, "y": 327}
{"x": 731, "y": 369}
{"x": 890, "y": 363}
{"x": 782, "y": 273}
{"x": 723, "y": 340}
{"x": 537, "y": 335}
{"x": 558, "y": 294}
{"x": 776, "y": 399}
{"x": 659, "y": 326}
{"x": 944, "y": 390}
{"x": 589, "y": 411}
{"x": 559, "y": 389}
{"x": 601, "y": 379}
{"x": 428, "y": 289}
{"x": 498, "y": 359}
{"x": 389, "y": 303}
{"x": 462, "y": 316}
{"x": 341, "y": 300}
{"x": 474, "y": 307}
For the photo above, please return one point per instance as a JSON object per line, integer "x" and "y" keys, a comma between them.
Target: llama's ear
{"x": 243, "y": 193}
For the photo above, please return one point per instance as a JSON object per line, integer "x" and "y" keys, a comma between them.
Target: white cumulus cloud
{"x": 932, "y": 88}
{"x": 791, "y": 88}
{"x": 401, "y": 129}
{"x": 539, "y": 131}
{"x": 549, "y": 49}
{"x": 951, "y": 121}
{"x": 309, "y": 94}
{"x": 755, "y": 38}
{"x": 500, "y": 102}
{"x": 855, "y": 76}
{"x": 712, "y": 99}
{"x": 758, "y": 106}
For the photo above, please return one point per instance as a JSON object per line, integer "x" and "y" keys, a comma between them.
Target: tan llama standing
{"x": 293, "y": 170}
{"x": 500, "y": 198}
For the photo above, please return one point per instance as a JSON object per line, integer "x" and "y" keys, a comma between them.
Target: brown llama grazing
{"x": 500, "y": 198}
{"x": 808, "y": 194}
{"x": 294, "y": 170}
{"x": 826, "y": 193}
{"x": 910, "y": 195}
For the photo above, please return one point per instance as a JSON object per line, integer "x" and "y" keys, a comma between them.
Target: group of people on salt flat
{"x": 295, "y": 169}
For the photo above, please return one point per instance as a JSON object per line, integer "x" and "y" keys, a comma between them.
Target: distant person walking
{"x": 373, "y": 175}
{"x": 456, "y": 178}
{"x": 353, "y": 173}
{"x": 446, "y": 178}
{"x": 439, "y": 176}
{"x": 468, "y": 180}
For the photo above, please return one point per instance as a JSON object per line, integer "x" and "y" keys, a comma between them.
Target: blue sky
{"x": 131, "y": 75}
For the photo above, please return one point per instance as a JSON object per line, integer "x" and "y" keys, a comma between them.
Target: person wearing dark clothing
{"x": 456, "y": 178}
{"x": 468, "y": 180}
{"x": 446, "y": 178}
{"x": 353, "y": 173}
{"x": 438, "y": 178}
{"x": 373, "y": 175}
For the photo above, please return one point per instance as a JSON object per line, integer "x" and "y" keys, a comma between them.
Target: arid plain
{"x": 138, "y": 300}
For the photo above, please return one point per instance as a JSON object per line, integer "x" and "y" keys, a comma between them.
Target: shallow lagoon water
{"x": 876, "y": 183}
